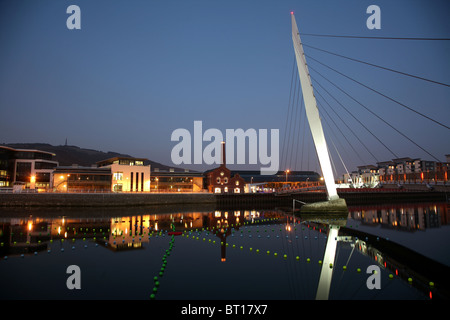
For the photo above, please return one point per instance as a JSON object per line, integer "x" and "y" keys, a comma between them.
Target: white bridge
{"x": 334, "y": 203}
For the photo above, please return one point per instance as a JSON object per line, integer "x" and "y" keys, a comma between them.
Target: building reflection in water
{"x": 222, "y": 223}
{"x": 409, "y": 217}
{"x": 21, "y": 236}
{"x": 34, "y": 234}
{"x": 28, "y": 235}
{"x": 398, "y": 260}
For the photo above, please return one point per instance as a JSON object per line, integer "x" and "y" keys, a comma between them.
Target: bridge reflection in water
{"x": 22, "y": 236}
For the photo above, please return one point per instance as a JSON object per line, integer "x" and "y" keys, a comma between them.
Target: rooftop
{"x": 27, "y": 150}
{"x": 81, "y": 169}
{"x": 114, "y": 159}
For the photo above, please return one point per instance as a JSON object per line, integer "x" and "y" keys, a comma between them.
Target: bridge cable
{"x": 399, "y": 103}
{"x": 301, "y": 117}
{"x": 328, "y": 137}
{"x": 342, "y": 161}
{"x": 368, "y": 150}
{"x": 374, "y": 38}
{"x": 297, "y": 90}
{"x": 288, "y": 130}
{"x": 365, "y": 127}
{"x": 297, "y": 123}
{"x": 377, "y": 66}
{"x": 331, "y": 160}
{"x": 334, "y": 134}
{"x": 380, "y": 119}
{"x": 289, "y": 107}
{"x": 303, "y": 139}
{"x": 308, "y": 149}
{"x": 293, "y": 118}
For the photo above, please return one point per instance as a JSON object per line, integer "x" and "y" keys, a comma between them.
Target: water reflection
{"x": 31, "y": 234}
{"x": 342, "y": 239}
{"x": 408, "y": 217}
{"x": 399, "y": 260}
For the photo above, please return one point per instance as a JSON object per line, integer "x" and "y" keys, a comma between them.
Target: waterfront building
{"x": 176, "y": 181}
{"x": 386, "y": 167}
{"x": 400, "y": 171}
{"x": 81, "y": 179}
{"x": 257, "y": 182}
{"x": 219, "y": 180}
{"x": 406, "y": 165}
{"x": 365, "y": 176}
{"x": 128, "y": 174}
{"x": 26, "y": 169}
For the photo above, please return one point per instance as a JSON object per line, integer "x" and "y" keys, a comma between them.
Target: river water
{"x": 204, "y": 254}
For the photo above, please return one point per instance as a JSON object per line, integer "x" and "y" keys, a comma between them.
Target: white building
{"x": 26, "y": 168}
{"x": 128, "y": 174}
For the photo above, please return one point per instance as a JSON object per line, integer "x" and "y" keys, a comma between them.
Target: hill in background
{"x": 67, "y": 155}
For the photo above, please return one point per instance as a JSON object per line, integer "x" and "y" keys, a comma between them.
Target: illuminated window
{"x": 222, "y": 173}
{"x": 237, "y": 183}
{"x": 118, "y": 176}
{"x": 225, "y": 180}
{"x": 218, "y": 179}
{"x": 237, "y": 190}
{"x": 217, "y": 190}
{"x": 225, "y": 189}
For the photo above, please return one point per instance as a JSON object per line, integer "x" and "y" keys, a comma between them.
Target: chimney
{"x": 224, "y": 162}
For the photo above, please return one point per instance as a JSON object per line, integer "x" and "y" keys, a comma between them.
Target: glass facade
{"x": 6, "y": 167}
{"x": 31, "y": 155}
{"x": 82, "y": 180}
{"x": 40, "y": 165}
{"x": 166, "y": 182}
{"x": 23, "y": 171}
{"x": 29, "y": 168}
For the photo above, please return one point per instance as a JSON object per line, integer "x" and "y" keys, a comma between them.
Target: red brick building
{"x": 219, "y": 180}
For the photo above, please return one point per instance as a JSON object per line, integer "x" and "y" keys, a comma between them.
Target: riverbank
{"x": 269, "y": 200}
{"x": 103, "y": 199}
{"x": 229, "y": 201}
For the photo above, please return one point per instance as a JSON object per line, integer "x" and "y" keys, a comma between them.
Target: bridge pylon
{"x": 334, "y": 203}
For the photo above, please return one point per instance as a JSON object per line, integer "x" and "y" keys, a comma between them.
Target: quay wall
{"x": 260, "y": 201}
{"x": 241, "y": 201}
{"x": 103, "y": 199}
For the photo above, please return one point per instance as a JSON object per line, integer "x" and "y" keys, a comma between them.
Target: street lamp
{"x": 287, "y": 171}
{"x": 33, "y": 182}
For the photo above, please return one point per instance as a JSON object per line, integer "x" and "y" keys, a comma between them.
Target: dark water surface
{"x": 144, "y": 254}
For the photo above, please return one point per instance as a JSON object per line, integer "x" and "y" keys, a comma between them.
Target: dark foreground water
{"x": 226, "y": 255}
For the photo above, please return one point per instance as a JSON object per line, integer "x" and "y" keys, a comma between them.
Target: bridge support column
{"x": 315, "y": 124}
{"x": 323, "y": 289}
{"x": 331, "y": 206}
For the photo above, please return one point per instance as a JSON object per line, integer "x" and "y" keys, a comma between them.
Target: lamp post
{"x": 33, "y": 182}
{"x": 287, "y": 171}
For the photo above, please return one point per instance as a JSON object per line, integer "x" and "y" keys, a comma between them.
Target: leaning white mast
{"x": 312, "y": 114}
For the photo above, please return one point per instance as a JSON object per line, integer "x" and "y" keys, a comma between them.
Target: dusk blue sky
{"x": 138, "y": 70}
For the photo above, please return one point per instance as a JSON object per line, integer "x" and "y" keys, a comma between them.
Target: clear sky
{"x": 139, "y": 69}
